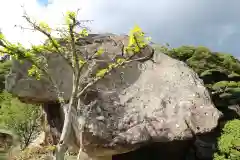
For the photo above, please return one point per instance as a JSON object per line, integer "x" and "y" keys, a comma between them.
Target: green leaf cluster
{"x": 137, "y": 40}
{"x": 103, "y": 72}
{"x": 70, "y": 15}
{"x": 83, "y": 32}
{"x": 229, "y": 142}
{"x": 44, "y": 26}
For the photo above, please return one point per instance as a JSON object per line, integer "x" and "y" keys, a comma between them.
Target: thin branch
{"x": 87, "y": 62}
{"x": 141, "y": 59}
{"x": 99, "y": 78}
{"x": 73, "y": 45}
{"x": 41, "y": 69}
{"x": 127, "y": 60}
{"x": 35, "y": 26}
{"x": 58, "y": 30}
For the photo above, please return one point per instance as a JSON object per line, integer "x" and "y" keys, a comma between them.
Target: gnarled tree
{"x": 87, "y": 69}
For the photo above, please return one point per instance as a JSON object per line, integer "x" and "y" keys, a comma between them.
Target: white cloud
{"x": 107, "y": 15}
{"x": 11, "y": 14}
{"x": 193, "y": 22}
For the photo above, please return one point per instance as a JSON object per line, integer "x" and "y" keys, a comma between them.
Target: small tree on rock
{"x": 75, "y": 59}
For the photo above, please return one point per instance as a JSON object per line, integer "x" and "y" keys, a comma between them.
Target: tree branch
{"x": 127, "y": 60}
{"x": 52, "y": 81}
{"x": 35, "y": 26}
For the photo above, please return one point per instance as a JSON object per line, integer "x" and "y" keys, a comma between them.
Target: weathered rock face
{"x": 9, "y": 142}
{"x": 6, "y": 139}
{"x": 140, "y": 104}
{"x": 163, "y": 104}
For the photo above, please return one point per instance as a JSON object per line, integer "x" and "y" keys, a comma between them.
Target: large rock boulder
{"x": 138, "y": 105}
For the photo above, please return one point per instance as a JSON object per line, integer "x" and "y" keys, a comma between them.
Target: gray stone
{"x": 148, "y": 102}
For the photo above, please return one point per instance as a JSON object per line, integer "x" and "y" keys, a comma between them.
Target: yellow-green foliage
{"x": 137, "y": 41}
{"x": 229, "y": 142}
{"x": 70, "y": 15}
{"x": 44, "y": 26}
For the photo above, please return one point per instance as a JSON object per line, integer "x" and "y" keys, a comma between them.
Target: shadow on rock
{"x": 175, "y": 150}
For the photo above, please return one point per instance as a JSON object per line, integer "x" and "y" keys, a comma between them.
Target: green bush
{"x": 20, "y": 117}
{"x": 229, "y": 142}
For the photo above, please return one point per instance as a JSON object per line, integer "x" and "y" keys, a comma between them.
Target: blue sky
{"x": 211, "y": 23}
{"x": 42, "y": 2}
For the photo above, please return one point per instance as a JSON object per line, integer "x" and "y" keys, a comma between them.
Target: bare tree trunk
{"x": 67, "y": 129}
{"x": 61, "y": 150}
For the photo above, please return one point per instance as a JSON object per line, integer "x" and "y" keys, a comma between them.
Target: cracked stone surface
{"x": 146, "y": 102}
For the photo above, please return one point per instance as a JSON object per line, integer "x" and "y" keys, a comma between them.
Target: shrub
{"x": 229, "y": 142}
{"x": 20, "y": 117}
